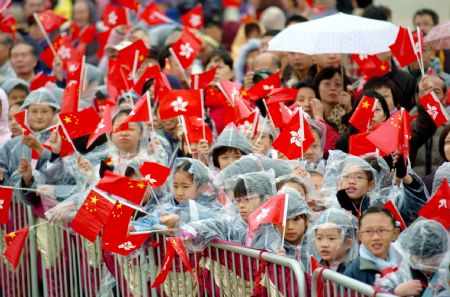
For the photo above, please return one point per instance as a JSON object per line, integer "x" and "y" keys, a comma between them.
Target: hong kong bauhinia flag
{"x": 186, "y": 48}
{"x": 180, "y": 103}
{"x": 438, "y": 207}
{"x": 430, "y": 102}
{"x": 271, "y": 211}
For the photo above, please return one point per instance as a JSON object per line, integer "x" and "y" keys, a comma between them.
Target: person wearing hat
{"x": 16, "y": 88}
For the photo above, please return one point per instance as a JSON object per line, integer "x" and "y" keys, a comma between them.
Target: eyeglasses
{"x": 357, "y": 177}
{"x": 381, "y": 232}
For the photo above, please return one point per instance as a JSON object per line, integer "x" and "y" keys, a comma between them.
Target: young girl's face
{"x": 126, "y": 141}
{"x": 378, "y": 115}
{"x": 228, "y": 157}
{"x": 316, "y": 180}
{"x": 297, "y": 187}
{"x": 355, "y": 181}
{"x": 12, "y": 124}
{"x": 314, "y": 152}
{"x": 40, "y": 116}
{"x": 295, "y": 229}
{"x": 247, "y": 205}
{"x": 183, "y": 187}
{"x": 331, "y": 245}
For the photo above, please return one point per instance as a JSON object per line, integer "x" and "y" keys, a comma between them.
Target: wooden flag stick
{"x": 202, "y": 102}
{"x": 45, "y": 34}
{"x": 183, "y": 71}
{"x": 183, "y": 125}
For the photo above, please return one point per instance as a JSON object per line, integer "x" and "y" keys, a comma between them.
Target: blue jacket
{"x": 362, "y": 270}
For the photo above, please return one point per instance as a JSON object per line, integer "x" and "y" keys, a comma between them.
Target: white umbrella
{"x": 340, "y": 33}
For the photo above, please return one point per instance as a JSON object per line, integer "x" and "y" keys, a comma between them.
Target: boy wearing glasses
{"x": 377, "y": 230}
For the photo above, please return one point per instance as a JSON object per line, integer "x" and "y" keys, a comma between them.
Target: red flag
{"x": 314, "y": 264}
{"x": 194, "y": 128}
{"x": 152, "y": 15}
{"x": 70, "y": 97}
{"x": 280, "y": 114}
{"x": 438, "y": 207}
{"x": 186, "y": 48}
{"x": 21, "y": 119}
{"x": 405, "y": 134}
{"x": 131, "y": 4}
{"x": 282, "y": 95}
{"x": 116, "y": 227}
{"x": 50, "y": 21}
{"x": 102, "y": 38}
{"x": 8, "y": 24}
{"x": 104, "y": 126}
{"x": 202, "y": 80}
{"x": 434, "y": 108}
{"x": 362, "y": 117}
{"x": 119, "y": 77}
{"x": 371, "y": 65}
{"x": 263, "y": 88}
{"x": 65, "y": 49}
{"x": 92, "y": 215}
{"x": 359, "y": 145}
{"x": 14, "y": 245}
{"x": 174, "y": 245}
{"x": 40, "y": 80}
{"x": 84, "y": 35}
{"x": 140, "y": 113}
{"x": 295, "y": 138}
{"x": 122, "y": 186}
{"x": 390, "y": 205}
{"x": 114, "y": 16}
{"x": 126, "y": 245}
{"x": 180, "y": 102}
{"x": 193, "y": 18}
{"x": 154, "y": 173}
{"x": 231, "y": 3}
{"x": 127, "y": 55}
{"x": 249, "y": 125}
{"x": 151, "y": 72}
{"x": 241, "y": 111}
{"x": 80, "y": 123}
{"x": 403, "y": 48}
{"x": 67, "y": 148}
{"x": 271, "y": 211}
{"x": 231, "y": 90}
{"x": 5, "y": 203}
{"x": 162, "y": 85}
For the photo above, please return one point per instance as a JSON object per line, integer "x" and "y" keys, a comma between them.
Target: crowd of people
{"x": 335, "y": 201}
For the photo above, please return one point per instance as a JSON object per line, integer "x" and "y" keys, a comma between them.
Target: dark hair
{"x": 222, "y": 55}
{"x": 379, "y": 97}
{"x": 430, "y": 12}
{"x": 281, "y": 183}
{"x": 376, "y": 13}
{"x": 383, "y": 81}
{"x": 377, "y": 209}
{"x": 303, "y": 84}
{"x": 163, "y": 55}
{"x": 239, "y": 189}
{"x": 124, "y": 111}
{"x": 222, "y": 150}
{"x": 21, "y": 87}
{"x": 19, "y": 104}
{"x": 328, "y": 73}
{"x": 17, "y": 43}
{"x": 7, "y": 40}
{"x": 185, "y": 166}
{"x": 250, "y": 27}
{"x": 295, "y": 18}
{"x": 271, "y": 33}
{"x": 442, "y": 137}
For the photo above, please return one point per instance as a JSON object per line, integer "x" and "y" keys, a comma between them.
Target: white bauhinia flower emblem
{"x": 443, "y": 203}
{"x": 264, "y": 212}
{"x": 149, "y": 178}
{"x": 179, "y": 105}
{"x": 267, "y": 87}
{"x": 112, "y": 18}
{"x": 234, "y": 94}
{"x": 195, "y": 20}
{"x": 73, "y": 67}
{"x": 1, "y": 203}
{"x": 127, "y": 246}
{"x": 71, "y": 83}
{"x": 432, "y": 111}
{"x": 100, "y": 126}
{"x": 186, "y": 50}
{"x": 363, "y": 57}
{"x": 297, "y": 137}
{"x": 64, "y": 52}
{"x": 246, "y": 128}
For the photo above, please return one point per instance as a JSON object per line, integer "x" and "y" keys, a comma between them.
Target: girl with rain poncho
{"x": 332, "y": 240}
{"x": 423, "y": 245}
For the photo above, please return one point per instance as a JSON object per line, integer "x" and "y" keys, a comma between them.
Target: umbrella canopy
{"x": 340, "y": 33}
{"x": 439, "y": 36}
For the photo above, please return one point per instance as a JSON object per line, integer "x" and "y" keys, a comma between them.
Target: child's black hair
{"x": 378, "y": 209}
{"x": 21, "y": 87}
{"x": 222, "y": 150}
{"x": 185, "y": 166}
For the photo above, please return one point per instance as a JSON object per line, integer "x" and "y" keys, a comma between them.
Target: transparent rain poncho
{"x": 333, "y": 225}
{"x": 280, "y": 167}
{"x": 443, "y": 172}
{"x": 423, "y": 246}
{"x": 444, "y": 275}
{"x": 11, "y": 83}
{"x": 246, "y": 164}
{"x": 304, "y": 182}
{"x": 41, "y": 96}
{"x": 256, "y": 184}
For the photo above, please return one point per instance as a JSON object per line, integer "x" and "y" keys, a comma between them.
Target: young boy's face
{"x": 247, "y": 205}
{"x": 355, "y": 181}
{"x": 40, "y": 116}
{"x": 377, "y": 232}
{"x": 331, "y": 245}
{"x": 295, "y": 229}
{"x": 228, "y": 157}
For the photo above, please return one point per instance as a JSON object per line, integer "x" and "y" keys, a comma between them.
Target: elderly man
{"x": 23, "y": 60}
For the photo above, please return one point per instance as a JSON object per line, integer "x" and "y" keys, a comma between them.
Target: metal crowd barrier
{"x": 335, "y": 284}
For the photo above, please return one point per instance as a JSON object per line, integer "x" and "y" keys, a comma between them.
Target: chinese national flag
{"x": 263, "y": 88}
{"x": 359, "y": 145}
{"x": 362, "y": 117}
{"x": 437, "y": 208}
{"x": 186, "y": 48}
{"x": 295, "y": 138}
{"x": 114, "y": 16}
{"x": 92, "y": 215}
{"x": 21, "y": 119}
{"x": 194, "y": 129}
{"x": 371, "y": 65}
{"x": 80, "y": 123}
{"x": 40, "y": 80}
{"x": 241, "y": 111}
{"x": 127, "y": 55}
{"x": 70, "y": 97}
{"x": 180, "y": 102}
{"x": 271, "y": 211}
{"x": 140, "y": 113}
{"x": 390, "y": 205}
{"x": 249, "y": 125}
{"x": 193, "y": 18}
{"x": 434, "y": 108}
{"x": 281, "y": 95}
{"x": 5, "y": 203}
{"x": 403, "y": 48}
{"x": 131, "y": 4}
{"x": 231, "y": 90}
{"x": 104, "y": 126}
{"x": 154, "y": 173}
{"x": 116, "y": 227}
{"x": 50, "y": 21}
{"x": 67, "y": 148}
{"x": 8, "y": 24}
{"x": 151, "y": 72}
{"x": 152, "y": 15}
{"x": 202, "y": 80}
{"x": 122, "y": 186}
{"x": 281, "y": 114}
{"x": 14, "y": 245}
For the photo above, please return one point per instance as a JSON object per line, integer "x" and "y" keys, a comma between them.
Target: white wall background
{"x": 403, "y": 10}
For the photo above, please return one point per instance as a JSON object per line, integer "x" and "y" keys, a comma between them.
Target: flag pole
{"x": 20, "y": 189}
{"x": 286, "y": 201}
{"x": 69, "y": 139}
{"x": 45, "y": 34}
{"x": 37, "y": 225}
{"x": 82, "y": 77}
{"x": 419, "y": 38}
{"x": 183, "y": 125}
{"x": 202, "y": 97}
{"x": 150, "y": 115}
{"x": 302, "y": 129}
{"x": 255, "y": 122}
{"x": 181, "y": 67}
{"x": 415, "y": 51}
{"x": 262, "y": 130}
{"x": 135, "y": 62}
